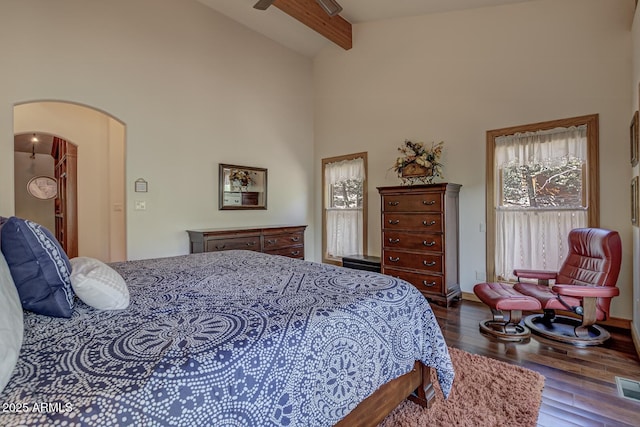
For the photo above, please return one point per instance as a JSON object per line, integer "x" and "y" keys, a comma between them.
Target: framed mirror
{"x": 242, "y": 187}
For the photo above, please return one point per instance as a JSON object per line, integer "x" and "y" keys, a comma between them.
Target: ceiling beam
{"x": 334, "y": 28}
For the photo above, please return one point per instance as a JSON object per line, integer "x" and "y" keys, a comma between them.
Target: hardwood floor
{"x": 580, "y": 386}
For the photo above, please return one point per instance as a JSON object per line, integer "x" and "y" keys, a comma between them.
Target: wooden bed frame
{"x": 372, "y": 410}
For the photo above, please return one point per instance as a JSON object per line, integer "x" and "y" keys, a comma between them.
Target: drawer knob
{"x": 429, "y": 244}
{"x": 295, "y": 253}
{"x": 428, "y": 264}
{"x": 428, "y": 284}
{"x": 220, "y": 246}
{"x": 392, "y": 259}
{"x": 428, "y": 223}
{"x": 295, "y": 239}
{"x": 428, "y": 202}
{"x": 394, "y": 221}
{"x": 394, "y": 203}
{"x": 272, "y": 242}
{"x": 251, "y": 243}
{"x": 394, "y": 240}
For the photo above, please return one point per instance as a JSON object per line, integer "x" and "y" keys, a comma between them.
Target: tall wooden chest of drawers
{"x": 278, "y": 240}
{"x": 420, "y": 238}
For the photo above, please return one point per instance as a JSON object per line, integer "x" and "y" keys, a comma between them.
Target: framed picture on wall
{"x": 633, "y": 139}
{"x": 634, "y": 201}
{"x": 241, "y": 187}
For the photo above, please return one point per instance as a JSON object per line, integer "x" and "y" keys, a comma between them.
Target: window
{"x": 542, "y": 182}
{"x": 344, "y": 206}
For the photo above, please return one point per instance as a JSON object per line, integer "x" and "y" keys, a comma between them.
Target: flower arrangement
{"x": 419, "y": 164}
{"x": 241, "y": 177}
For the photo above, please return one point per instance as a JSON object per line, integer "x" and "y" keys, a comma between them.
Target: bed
{"x": 235, "y": 338}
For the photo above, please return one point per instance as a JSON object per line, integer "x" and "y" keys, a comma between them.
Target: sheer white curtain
{"x": 529, "y": 237}
{"x": 344, "y": 225}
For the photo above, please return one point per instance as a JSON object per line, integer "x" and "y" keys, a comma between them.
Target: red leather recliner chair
{"x": 584, "y": 285}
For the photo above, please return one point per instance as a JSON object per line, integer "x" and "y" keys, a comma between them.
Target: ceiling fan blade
{"x": 330, "y": 6}
{"x": 263, "y": 4}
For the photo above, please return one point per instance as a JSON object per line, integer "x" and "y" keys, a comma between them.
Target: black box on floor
{"x": 362, "y": 262}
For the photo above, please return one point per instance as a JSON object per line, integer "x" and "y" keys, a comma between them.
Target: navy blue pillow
{"x": 39, "y": 266}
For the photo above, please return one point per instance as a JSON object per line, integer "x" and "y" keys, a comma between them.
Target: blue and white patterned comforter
{"x": 232, "y": 338}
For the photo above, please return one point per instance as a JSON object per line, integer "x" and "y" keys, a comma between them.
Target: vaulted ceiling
{"x": 303, "y": 26}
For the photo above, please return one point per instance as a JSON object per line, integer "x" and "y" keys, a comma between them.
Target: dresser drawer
{"x": 427, "y": 222}
{"x": 251, "y": 243}
{"x": 426, "y": 283}
{"x": 412, "y": 260}
{"x": 426, "y": 202}
{"x": 412, "y": 241}
{"x": 278, "y": 241}
{"x": 291, "y": 252}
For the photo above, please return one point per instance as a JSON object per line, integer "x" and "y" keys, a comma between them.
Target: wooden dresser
{"x": 420, "y": 238}
{"x": 278, "y": 240}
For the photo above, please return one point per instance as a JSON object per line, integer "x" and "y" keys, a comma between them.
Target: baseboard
{"x": 613, "y": 322}
{"x": 470, "y": 297}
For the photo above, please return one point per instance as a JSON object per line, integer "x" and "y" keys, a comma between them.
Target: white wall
{"x": 635, "y": 105}
{"x": 193, "y": 89}
{"x": 453, "y": 76}
{"x": 117, "y": 191}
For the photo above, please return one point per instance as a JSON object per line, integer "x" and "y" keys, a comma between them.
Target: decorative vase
{"x": 413, "y": 173}
{"x": 414, "y": 169}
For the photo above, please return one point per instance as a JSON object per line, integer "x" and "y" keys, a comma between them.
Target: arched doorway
{"x": 100, "y": 140}
{"x": 46, "y": 185}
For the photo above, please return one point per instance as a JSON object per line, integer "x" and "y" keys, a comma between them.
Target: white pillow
{"x": 98, "y": 285}
{"x": 11, "y": 324}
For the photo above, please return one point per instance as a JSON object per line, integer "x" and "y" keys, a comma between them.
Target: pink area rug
{"x": 486, "y": 392}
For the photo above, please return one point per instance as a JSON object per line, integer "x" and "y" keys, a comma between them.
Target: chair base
{"x": 562, "y": 328}
{"x": 505, "y": 331}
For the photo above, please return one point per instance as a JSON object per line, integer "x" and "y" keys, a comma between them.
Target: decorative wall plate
{"x": 42, "y": 187}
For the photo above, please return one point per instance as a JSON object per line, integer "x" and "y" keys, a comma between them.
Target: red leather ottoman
{"x": 502, "y": 297}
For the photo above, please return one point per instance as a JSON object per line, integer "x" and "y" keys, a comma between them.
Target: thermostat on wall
{"x": 141, "y": 186}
